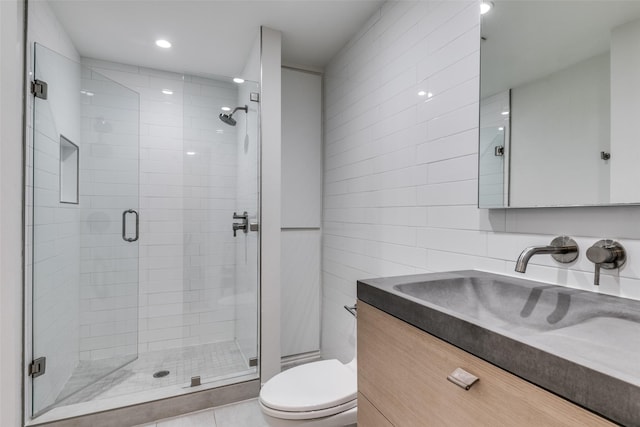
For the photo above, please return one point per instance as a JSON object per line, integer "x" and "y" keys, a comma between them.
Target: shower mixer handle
{"x": 244, "y": 225}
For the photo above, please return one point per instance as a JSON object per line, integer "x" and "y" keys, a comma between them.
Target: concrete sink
{"x": 523, "y": 305}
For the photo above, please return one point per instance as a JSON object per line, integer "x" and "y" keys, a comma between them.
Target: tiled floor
{"x": 242, "y": 414}
{"x": 217, "y": 360}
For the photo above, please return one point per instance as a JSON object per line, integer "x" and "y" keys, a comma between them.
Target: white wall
{"x": 270, "y": 201}
{"x": 301, "y": 149}
{"x": 401, "y": 174}
{"x": 562, "y": 119}
{"x": 301, "y": 211}
{"x": 11, "y": 373}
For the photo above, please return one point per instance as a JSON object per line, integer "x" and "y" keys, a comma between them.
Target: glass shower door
{"x": 84, "y": 229}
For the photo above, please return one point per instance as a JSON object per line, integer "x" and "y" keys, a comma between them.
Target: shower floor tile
{"x": 208, "y": 361}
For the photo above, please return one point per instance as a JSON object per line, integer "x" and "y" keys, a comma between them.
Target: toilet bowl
{"x": 318, "y": 394}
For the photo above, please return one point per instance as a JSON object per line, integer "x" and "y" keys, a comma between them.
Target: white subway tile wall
{"x": 187, "y": 195}
{"x": 52, "y": 259}
{"x": 400, "y": 184}
{"x": 109, "y": 181}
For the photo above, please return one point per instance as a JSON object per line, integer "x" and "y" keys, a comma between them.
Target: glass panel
{"x": 220, "y": 164}
{"x": 85, "y": 275}
{"x": 247, "y": 246}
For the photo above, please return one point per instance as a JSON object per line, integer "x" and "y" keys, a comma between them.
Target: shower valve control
{"x": 244, "y": 225}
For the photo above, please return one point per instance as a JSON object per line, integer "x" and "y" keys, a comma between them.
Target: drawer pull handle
{"x": 462, "y": 378}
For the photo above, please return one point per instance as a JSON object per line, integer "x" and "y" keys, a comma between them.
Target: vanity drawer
{"x": 403, "y": 371}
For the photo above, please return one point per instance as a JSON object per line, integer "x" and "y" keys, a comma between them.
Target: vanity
{"x": 542, "y": 354}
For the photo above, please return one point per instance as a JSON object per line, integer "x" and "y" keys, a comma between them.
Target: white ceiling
{"x": 210, "y": 37}
{"x": 527, "y": 40}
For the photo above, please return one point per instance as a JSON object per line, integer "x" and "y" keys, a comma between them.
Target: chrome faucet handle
{"x": 243, "y": 215}
{"x": 244, "y": 225}
{"x": 607, "y": 254}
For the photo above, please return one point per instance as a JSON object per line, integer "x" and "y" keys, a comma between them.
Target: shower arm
{"x": 245, "y": 108}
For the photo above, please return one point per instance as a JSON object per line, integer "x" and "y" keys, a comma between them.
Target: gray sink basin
{"x": 581, "y": 345}
{"x": 521, "y": 305}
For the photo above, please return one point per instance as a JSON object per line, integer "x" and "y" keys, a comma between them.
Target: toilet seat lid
{"x": 310, "y": 387}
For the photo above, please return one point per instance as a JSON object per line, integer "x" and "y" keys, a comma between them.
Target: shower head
{"x": 228, "y": 118}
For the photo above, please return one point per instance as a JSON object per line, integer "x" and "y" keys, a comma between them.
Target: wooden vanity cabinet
{"x": 402, "y": 381}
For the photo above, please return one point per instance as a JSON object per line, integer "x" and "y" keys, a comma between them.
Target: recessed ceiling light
{"x": 505, "y": 113}
{"x": 167, "y": 91}
{"x": 485, "y": 7}
{"x": 163, "y": 43}
{"x": 429, "y": 95}
{"x": 238, "y": 80}
{"x": 500, "y": 128}
{"x": 191, "y": 153}
{"x": 226, "y": 109}
{"x": 422, "y": 93}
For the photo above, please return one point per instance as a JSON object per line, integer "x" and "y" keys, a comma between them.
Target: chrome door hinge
{"x": 498, "y": 151}
{"x": 39, "y": 88}
{"x": 253, "y": 361}
{"x": 38, "y": 367}
{"x": 254, "y": 96}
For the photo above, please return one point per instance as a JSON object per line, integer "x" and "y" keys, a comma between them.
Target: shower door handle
{"x": 124, "y": 226}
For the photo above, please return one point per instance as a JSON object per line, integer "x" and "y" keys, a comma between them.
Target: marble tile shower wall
{"x": 400, "y": 189}
{"x": 185, "y": 204}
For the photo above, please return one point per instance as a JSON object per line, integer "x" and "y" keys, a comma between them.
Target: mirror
{"x": 559, "y": 104}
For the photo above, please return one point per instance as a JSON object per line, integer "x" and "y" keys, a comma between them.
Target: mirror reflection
{"x": 560, "y": 96}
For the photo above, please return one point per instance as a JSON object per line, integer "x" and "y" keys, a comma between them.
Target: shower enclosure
{"x": 140, "y": 281}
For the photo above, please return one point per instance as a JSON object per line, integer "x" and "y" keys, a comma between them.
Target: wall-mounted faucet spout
{"x": 563, "y": 249}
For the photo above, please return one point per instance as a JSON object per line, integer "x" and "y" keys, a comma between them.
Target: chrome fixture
{"x": 563, "y": 249}
{"x": 228, "y": 118}
{"x": 353, "y": 309}
{"x": 124, "y": 226}
{"x": 244, "y": 225}
{"x": 607, "y": 254}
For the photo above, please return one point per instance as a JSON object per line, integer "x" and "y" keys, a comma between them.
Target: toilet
{"x": 318, "y": 394}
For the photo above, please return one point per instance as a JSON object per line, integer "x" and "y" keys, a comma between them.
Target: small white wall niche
{"x": 69, "y": 166}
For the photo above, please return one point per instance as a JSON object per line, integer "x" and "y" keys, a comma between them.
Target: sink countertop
{"x": 586, "y": 371}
